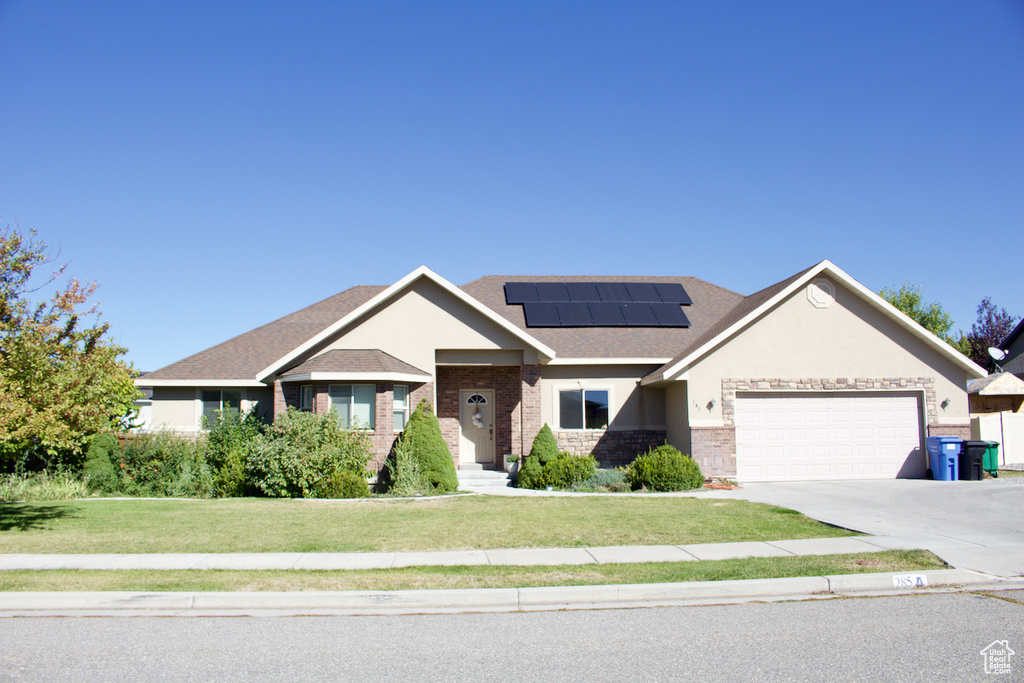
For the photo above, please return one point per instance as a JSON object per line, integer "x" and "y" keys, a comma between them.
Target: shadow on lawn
{"x": 21, "y": 517}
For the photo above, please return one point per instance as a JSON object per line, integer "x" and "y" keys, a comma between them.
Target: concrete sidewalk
{"x": 449, "y": 558}
{"x": 308, "y": 603}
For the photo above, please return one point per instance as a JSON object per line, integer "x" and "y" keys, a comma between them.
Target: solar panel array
{"x": 600, "y": 304}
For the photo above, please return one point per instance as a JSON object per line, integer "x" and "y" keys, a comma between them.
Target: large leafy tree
{"x": 992, "y": 327}
{"x": 61, "y": 378}
{"x": 930, "y": 315}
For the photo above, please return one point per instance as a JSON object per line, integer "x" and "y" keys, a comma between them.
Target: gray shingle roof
{"x": 709, "y": 303}
{"x": 247, "y": 354}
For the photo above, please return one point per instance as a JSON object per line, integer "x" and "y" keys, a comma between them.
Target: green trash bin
{"x": 990, "y": 460}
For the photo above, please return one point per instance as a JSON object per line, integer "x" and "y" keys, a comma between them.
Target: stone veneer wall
{"x": 959, "y": 431}
{"x": 611, "y": 448}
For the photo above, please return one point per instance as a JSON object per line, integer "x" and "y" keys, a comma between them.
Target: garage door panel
{"x": 828, "y": 436}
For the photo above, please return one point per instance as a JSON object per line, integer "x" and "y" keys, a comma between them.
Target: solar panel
{"x": 642, "y": 292}
{"x": 639, "y": 315}
{"x": 553, "y": 292}
{"x": 541, "y": 315}
{"x": 582, "y": 291}
{"x": 520, "y": 292}
{"x": 607, "y": 315}
{"x": 612, "y": 291}
{"x": 673, "y": 293}
{"x": 600, "y": 304}
{"x": 574, "y": 315}
{"x": 670, "y": 315}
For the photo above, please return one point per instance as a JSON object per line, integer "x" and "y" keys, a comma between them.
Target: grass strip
{"x": 254, "y": 525}
{"x": 409, "y": 578}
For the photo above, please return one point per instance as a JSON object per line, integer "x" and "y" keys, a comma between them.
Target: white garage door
{"x": 794, "y": 437}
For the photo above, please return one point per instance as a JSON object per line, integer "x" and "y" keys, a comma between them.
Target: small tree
{"x": 543, "y": 451}
{"x": 61, "y": 379}
{"x": 422, "y": 437}
{"x": 931, "y": 316}
{"x": 992, "y": 327}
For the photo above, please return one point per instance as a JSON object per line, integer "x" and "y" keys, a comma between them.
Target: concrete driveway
{"x": 975, "y": 525}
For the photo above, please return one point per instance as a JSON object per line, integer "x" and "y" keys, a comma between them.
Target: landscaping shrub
{"x": 543, "y": 451}
{"x": 568, "y": 469}
{"x": 422, "y": 436}
{"x": 98, "y": 468}
{"x": 162, "y": 464}
{"x": 301, "y": 453}
{"x": 664, "y": 469}
{"x": 342, "y": 484}
{"x": 613, "y": 481}
{"x": 41, "y": 486}
{"x": 228, "y": 439}
{"x": 401, "y": 475}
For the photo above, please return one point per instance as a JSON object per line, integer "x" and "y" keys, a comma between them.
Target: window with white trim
{"x": 583, "y": 409}
{"x": 216, "y": 400}
{"x": 355, "y": 404}
{"x": 306, "y": 398}
{"x": 401, "y": 406}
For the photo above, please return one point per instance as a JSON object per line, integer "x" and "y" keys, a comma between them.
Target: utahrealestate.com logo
{"x": 997, "y": 657}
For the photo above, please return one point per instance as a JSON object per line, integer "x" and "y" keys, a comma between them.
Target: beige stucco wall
{"x": 180, "y": 408}
{"x": 630, "y": 406}
{"x": 677, "y": 410}
{"x": 848, "y": 339}
{"x": 423, "y": 319}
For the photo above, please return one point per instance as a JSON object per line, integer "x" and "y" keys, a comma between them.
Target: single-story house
{"x": 814, "y": 377}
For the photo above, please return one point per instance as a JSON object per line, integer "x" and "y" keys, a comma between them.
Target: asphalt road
{"x": 928, "y": 637}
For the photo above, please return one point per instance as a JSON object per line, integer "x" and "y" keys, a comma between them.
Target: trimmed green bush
{"x": 543, "y": 451}
{"x": 422, "y": 436}
{"x": 664, "y": 469}
{"x": 98, "y": 467}
{"x": 568, "y": 469}
{"x": 343, "y": 484}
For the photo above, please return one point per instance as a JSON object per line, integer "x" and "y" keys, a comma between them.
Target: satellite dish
{"x": 996, "y": 353}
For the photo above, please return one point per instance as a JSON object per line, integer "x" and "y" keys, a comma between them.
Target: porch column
{"x": 279, "y": 403}
{"x": 529, "y": 383}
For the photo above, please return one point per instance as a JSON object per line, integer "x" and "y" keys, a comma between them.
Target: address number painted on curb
{"x": 910, "y": 581}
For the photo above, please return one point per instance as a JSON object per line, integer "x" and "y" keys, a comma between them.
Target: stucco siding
{"x": 630, "y": 407}
{"x": 422, "y": 320}
{"x": 677, "y": 409}
{"x": 848, "y": 339}
{"x": 174, "y": 408}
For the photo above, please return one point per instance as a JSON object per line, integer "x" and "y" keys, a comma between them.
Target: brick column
{"x": 529, "y": 382}
{"x": 279, "y": 403}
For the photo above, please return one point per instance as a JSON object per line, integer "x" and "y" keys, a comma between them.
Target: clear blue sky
{"x": 216, "y": 165}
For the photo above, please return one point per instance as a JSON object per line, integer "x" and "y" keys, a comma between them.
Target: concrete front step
{"x": 479, "y": 478}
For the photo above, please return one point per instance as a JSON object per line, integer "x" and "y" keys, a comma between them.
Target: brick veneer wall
{"x": 611, "y": 448}
{"x": 503, "y": 380}
{"x": 529, "y": 381}
{"x": 714, "y": 448}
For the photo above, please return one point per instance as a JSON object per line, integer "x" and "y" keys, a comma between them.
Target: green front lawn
{"x": 451, "y": 523}
{"x": 468, "y": 577}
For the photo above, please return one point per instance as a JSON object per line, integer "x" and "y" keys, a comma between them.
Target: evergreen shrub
{"x": 98, "y": 467}
{"x": 422, "y": 436}
{"x": 664, "y": 469}
{"x": 568, "y": 469}
{"x": 543, "y": 451}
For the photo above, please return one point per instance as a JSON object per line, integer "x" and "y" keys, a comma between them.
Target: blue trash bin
{"x": 944, "y": 457}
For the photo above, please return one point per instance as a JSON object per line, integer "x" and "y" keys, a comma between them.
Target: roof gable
{"x": 757, "y": 305}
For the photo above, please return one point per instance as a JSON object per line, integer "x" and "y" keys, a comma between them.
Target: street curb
{"x": 485, "y": 599}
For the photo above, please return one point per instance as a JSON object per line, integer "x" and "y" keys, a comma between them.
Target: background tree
{"x": 61, "y": 378}
{"x": 992, "y": 327}
{"x": 930, "y": 316}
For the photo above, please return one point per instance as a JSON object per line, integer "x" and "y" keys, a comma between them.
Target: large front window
{"x": 583, "y": 409}
{"x": 355, "y": 404}
{"x": 215, "y": 400}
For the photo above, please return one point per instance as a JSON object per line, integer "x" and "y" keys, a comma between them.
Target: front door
{"x": 476, "y": 426}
